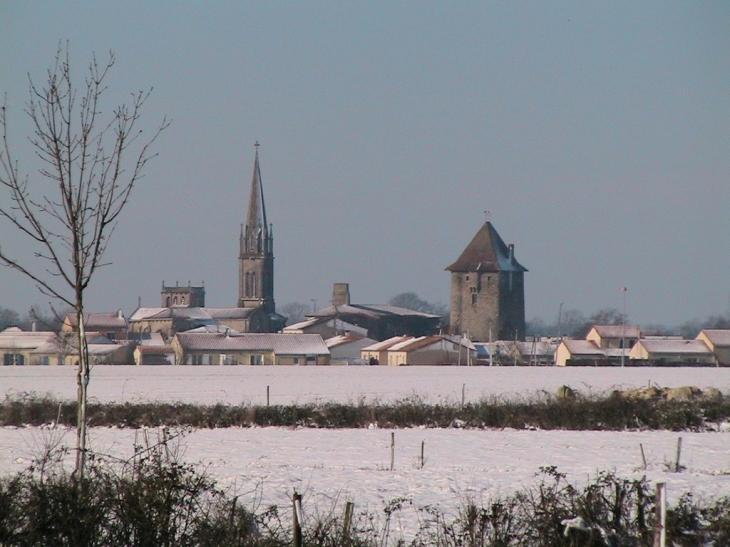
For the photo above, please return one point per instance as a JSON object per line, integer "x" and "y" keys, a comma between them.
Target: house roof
{"x": 373, "y": 311}
{"x": 583, "y": 347}
{"x": 617, "y": 331}
{"x": 230, "y": 313}
{"x": 387, "y": 344}
{"x": 100, "y": 321}
{"x": 416, "y": 343}
{"x": 666, "y": 347}
{"x": 343, "y": 339}
{"x": 718, "y": 337}
{"x": 486, "y": 252}
{"x": 15, "y": 338}
{"x": 280, "y": 344}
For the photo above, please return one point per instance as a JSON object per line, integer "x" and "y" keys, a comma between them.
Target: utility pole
{"x": 623, "y": 329}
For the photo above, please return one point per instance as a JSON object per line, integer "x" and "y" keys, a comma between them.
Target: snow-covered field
{"x": 333, "y": 466}
{"x": 248, "y": 384}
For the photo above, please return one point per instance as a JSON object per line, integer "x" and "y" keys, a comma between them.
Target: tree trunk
{"x": 82, "y": 377}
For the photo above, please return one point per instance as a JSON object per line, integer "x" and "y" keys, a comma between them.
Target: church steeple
{"x": 256, "y": 252}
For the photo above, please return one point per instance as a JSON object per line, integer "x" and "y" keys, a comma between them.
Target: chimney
{"x": 33, "y": 326}
{"x": 341, "y": 294}
{"x": 120, "y": 315}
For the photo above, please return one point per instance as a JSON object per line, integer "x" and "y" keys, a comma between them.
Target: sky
{"x": 595, "y": 134}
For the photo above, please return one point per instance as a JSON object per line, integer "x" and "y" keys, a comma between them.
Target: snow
{"x": 265, "y": 465}
{"x": 247, "y": 384}
{"x": 330, "y": 467}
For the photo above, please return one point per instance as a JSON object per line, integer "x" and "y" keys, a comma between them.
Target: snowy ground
{"x": 246, "y": 384}
{"x": 330, "y": 467}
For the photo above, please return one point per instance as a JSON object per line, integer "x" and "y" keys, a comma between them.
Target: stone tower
{"x": 256, "y": 253}
{"x": 488, "y": 290}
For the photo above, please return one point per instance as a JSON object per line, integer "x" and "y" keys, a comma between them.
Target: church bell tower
{"x": 256, "y": 251}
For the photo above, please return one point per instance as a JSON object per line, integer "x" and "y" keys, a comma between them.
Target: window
{"x": 182, "y": 300}
{"x": 474, "y": 298}
{"x": 8, "y": 359}
{"x": 174, "y": 301}
{"x": 45, "y": 360}
{"x": 60, "y": 360}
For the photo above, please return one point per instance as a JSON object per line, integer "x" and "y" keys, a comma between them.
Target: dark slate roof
{"x": 374, "y": 311}
{"x": 486, "y": 253}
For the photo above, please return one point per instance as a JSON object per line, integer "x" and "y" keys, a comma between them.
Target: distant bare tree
{"x": 68, "y": 212}
{"x": 294, "y": 312}
{"x": 8, "y": 318}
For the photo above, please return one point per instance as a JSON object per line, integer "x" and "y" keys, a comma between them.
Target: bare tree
{"x": 90, "y": 162}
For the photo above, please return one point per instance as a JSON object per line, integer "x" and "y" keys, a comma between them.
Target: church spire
{"x": 257, "y": 229}
{"x": 256, "y": 258}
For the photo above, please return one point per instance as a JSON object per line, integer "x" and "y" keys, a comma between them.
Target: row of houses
{"x": 607, "y": 345}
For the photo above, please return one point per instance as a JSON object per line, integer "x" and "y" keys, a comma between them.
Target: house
{"x": 168, "y": 321}
{"x": 152, "y": 349}
{"x": 381, "y": 321}
{"x": 614, "y": 336}
{"x": 377, "y": 353}
{"x": 17, "y": 345}
{"x": 488, "y": 290}
{"x": 112, "y": 325}
{"x": 326, "y": 327}
{"x": 672, "y": 352}
{"x": 579, "y": 352}
{"x": 62, "y": 349}
{"x": 432, "y": 350}
{"x": 718, "y": 340}
{"x": 197, "y": 348}
{"x": 345, "y": 348}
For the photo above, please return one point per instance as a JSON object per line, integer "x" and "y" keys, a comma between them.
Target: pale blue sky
{"x": 596, "y": 133}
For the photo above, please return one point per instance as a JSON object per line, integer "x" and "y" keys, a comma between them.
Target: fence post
{"x": 660, "y": 530}
{"x": 297, "y": 520}
{"x": 392, "y": 450}
{"x": 423, "y": 460}
{"x": 643, "y": 456}
{"x": 349, "y": 506}
{"x": 677, "y": 465}
{"x": 463, "y": 393}
{"x": 267, "y": 395}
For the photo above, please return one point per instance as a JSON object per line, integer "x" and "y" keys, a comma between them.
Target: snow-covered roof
{"x": 342, "y": 339}
{"x": 100, "y": 321}
{"x": 420, "y": 343}
{"x": 718, "y": 337}
{"x": 387, "y": 344}
{"x": 15, "y": 338}
{"x": 281, "y": 344}
{"x": 656, "y": 347}
{"x": 583, "y": 347}
{"x": 617, "y": 331}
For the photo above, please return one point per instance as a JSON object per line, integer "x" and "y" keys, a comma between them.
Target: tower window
{"x": 474, "y": 298}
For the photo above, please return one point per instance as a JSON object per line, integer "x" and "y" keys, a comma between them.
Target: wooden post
{"x": 677, "y": 465}
{"x": 392, "y": 450}
{"x": 463, "y": 395}
{"x": 660, "y": 530}
{"x": 297, "y": 520}
{"x": 643, "y": 457}
{"x": 349, "y": 507}
{"x": 267, "y": 395}
{"x": 423, "y": 460}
